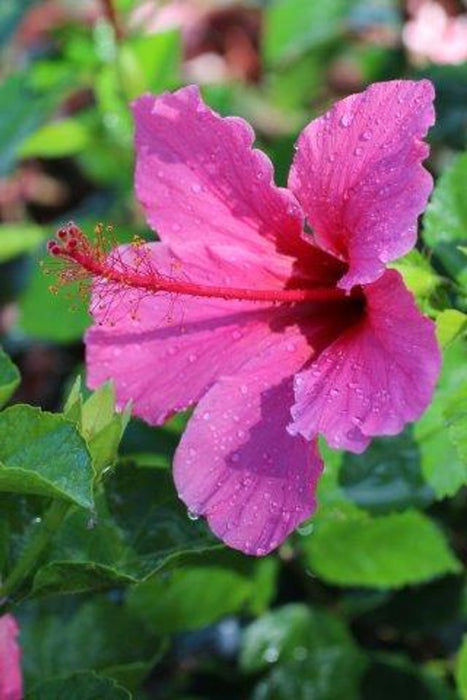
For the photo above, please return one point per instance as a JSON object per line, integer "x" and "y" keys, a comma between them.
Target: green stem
{"x": 35, "y": 548}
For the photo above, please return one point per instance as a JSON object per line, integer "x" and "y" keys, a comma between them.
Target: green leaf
{"x": 446, "y": 215}
{"x": 312, "y": 652}
{"x": 48, "y": 316}
{"x": 22, "y": 112}
{"x": 292, "y": 27}
{"x": 418, "y": 275}
{"x": 445, "y": 221}
{"x": 449, "y": 325}
{"x": 98, "y": 634}
{"x": 461, "y": 670}
{"x": 387, "y": 476}
{"x": 79, "y": 686}
{"x": 395, "y": 676}
{"x": 100, "y": 425}
{"x": 56, "y": 140}
{"x": 9, "y": 378}
{"x": 385, "y": 552}
{"x": 17, "y": 239}
{"x": 443, "y": 465}
{"x": 174, "y": 603}
{"x": 139, "y": 528}
{"x": 42, "y": 453}
{"x": 151, "y": 63}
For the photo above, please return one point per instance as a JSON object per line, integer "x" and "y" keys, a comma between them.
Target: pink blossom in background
{"x": 278, "y": 334}
{"x": 11, "y": 684}
{"x": 434, "y": 35}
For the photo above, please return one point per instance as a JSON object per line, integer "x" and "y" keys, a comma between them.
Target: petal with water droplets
{"x": 199, "y": 178}
{"x": 240, "y": 468}
{"x": 375, "y": 377}
{"x": 359, "y": 177}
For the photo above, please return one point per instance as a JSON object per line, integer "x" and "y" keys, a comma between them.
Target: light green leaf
{"x": 295, "y": 26}
{"x": 461, "y": 671}
{"x": 42, "y": 453}
{"x": 56, "y": 140}
{"x": 9, "y": 378}
{"x": 385, "y": 552}
{"x": 449, "y": 325}
{"x": 17, "y": 239}
{"x": 443, "y": 466}
{"x": 418, "y": 274}
{"x": 151, "y": 62}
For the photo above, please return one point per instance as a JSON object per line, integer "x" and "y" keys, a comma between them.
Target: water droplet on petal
{"x": 358, "y": 151}
{"x": 346, "y": 120}
{"x": 366, "y": 135}
{"x": 192, "y": 515}
{"x": 244, "y": 389}
{"x": 206, "y": 416}
{"x": 196, "y": 188}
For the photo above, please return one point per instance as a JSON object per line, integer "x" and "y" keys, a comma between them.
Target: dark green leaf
{"x": 60, "y": 317}
{"x": 387, "y": 476}
{"x": 79, "y": 686}
{"x": 314, "y": 655}
{"x": 99, "y": 634}
{"x": 139, "y": 528}
{"x": 9, "y": 378}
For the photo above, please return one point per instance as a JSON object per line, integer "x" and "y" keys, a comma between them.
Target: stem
{"x": 111, "y": 16}
{"x": 35, "y": 548}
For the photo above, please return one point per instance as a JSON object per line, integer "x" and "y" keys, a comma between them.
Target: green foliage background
{"x": 118, "y": 592}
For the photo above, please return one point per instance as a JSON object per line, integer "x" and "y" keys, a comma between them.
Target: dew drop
{"x": 191, "y": 358}
{"x": 244, "y": 389}
{"x": 206, "y": 416}
{"x": 346, "y": 120}
{"x": 358, "y": 151}
{"x": 196, "y": 188}
{"x": 192, "y": 515}
{"x": 305, "y": 529}
{"x": 366, "y": 135}
{"x": 271, "y": 654}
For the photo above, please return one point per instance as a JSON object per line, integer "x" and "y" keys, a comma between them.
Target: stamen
{"x": 82, "y": 260}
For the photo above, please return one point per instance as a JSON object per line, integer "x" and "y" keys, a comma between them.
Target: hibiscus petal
{"x": 198, "y": 177}
{"x": 375, "y": 377}
{"x": 164, "y": 352}
{"x": 11, "y": 684}
{"x": 359, "y": 177}
{"x": 236, "y": 463}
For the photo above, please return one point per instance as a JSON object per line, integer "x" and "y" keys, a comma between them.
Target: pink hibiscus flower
{"x": 11, "y": 684}
{"x": 278, "y": 334}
